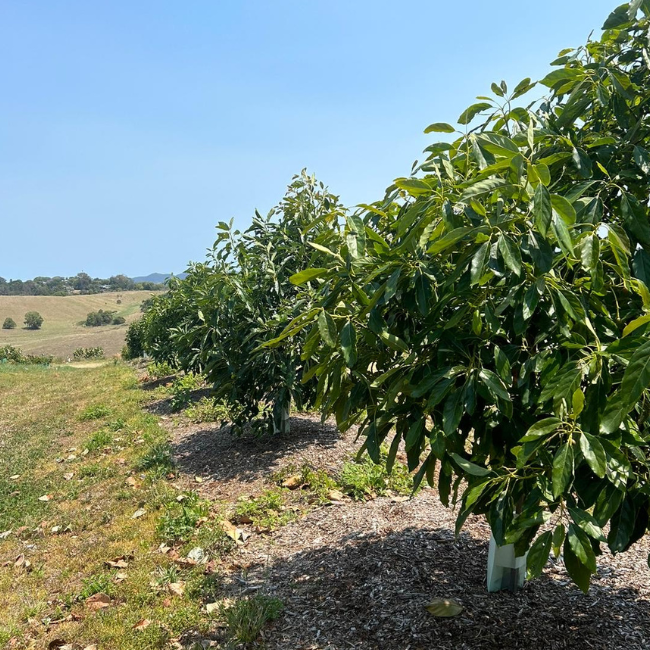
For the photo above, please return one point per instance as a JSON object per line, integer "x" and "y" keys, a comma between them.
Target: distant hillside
{"x": 157, "y": 278}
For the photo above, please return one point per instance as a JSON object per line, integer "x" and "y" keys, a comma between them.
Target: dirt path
{"x": 357, "y": 575}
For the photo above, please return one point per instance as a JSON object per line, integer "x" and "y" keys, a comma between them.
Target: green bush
{"x": 88, "y": 353}
{"x": 10, "y": 354}
{"x": 118, "y": 320}
{"x": 9, "y": 323}
{"x": 134, "y": 347}
{"x": 99, "y": 318}
{"x": 247, "y": 617}
{"x": 33, "y": 320}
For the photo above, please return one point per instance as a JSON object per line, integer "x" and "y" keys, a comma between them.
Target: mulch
{"x": 358, "y": 575}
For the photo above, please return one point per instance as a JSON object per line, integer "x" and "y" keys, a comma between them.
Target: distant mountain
{"x": 157, "y": 278}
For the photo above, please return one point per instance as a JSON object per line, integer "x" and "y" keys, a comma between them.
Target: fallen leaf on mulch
{"x": 444, "y": 607}
{"x": 5, "y": 534}
{"x": 45, "y": 497}
{"x": 230, "y": 529}
{"x": 132, "y": 482}
{"x": 98, "y": 601}
{"x": 176, "y": 588}
{"x": 292, "y": 482}
{"x": 197, "y": 554}
{"x": 120, "y": 576}
{"x": 68, "y": 476}
{"x": 164, "y": 549}
{"x": 15, "y": 477}
{"x": 140, "y": 512}
{"x": 142, "y": 624}
{"x": 212, "y": 607}
{"x": 336, "y": 495}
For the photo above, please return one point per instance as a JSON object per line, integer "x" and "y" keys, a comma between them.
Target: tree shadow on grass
{"x": 216, "y": 453}
{"x": 369, "y": 591}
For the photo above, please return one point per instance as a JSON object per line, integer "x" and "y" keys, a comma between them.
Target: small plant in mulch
{"x": 363, "y": 479}
{"x": 209, "y": 410}
{"x": 247, "y": 617}
{"x": 182, "y": 391}
{"x": 180, "y": 518}
{"x": 268, "y": 511}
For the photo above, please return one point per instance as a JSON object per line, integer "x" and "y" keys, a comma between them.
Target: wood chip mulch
{"x": 358, "y": 575}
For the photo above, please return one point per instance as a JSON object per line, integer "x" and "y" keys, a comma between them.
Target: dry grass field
{"x": 62, "y": 332}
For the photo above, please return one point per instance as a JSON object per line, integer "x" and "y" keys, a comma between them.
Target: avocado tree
{"x": 493, "y": 311}
{"x": 214, "y": 321}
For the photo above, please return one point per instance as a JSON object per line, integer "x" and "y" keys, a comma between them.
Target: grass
{"x": 363, "y": 479}
{"x": 247, "y": 617}
{"x": 267, "y": 511}
{"x": 61, "y": 333}
{"x": 91, "y": 513}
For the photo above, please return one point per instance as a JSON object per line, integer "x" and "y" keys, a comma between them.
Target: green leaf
{"x": 356, "y": 239}
{"x": 578, "y": 402}
{"x": 564, "y": 209}
{"x": 541, "y": 429}
{"x": 637, "y": 376}
{"x": 479, "y": 261}
{"x": 635, "y": 324}
{"x": 510, "y": 253}
{"x": 562, "y": 469}
{"x": 642, "y": 159}
{"x": 581, "y": 547}
{"x": 470, "y": 113}
{"x": 327, "y": 328}
{"x": 349, "y": 344}
{"x": 587, "y": 523}
{"x": 439, "y": 127}
{"x": 307, "y": 275}
{"x": 579, "y": 573}
{"x": 450, "y": 239}
{"x": 469, "y": 467}
{"x": 493, "y": 383}
{"x": 590, "y": 252}
{"x": 393, "y": 342}
{"x": 542, "y": 209}
{"x": 594, "y": 454}
{"x": 486, "y": 186}
{"x": 621, "y": 526}
{"x": 558, "y": 539}
{"x": 502, "y": 364}
{"x": 538, "y": 555}
{"x": 562, "y": 234}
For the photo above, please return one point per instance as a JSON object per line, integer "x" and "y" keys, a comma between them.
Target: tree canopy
{"x": 491, "y": 312}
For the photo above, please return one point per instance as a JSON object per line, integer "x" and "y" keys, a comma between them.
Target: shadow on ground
{"x": 217, "y": 454}
{"x": 369, "y": 591}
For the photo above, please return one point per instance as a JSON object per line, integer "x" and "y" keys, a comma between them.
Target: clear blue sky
{"x": 129, "y": 128}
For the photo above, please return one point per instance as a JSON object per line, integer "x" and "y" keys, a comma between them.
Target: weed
{"x": 94, "y": 412}
{"x": 157, "y": 457}
{"x": 207, "y": 410}
{"x": 95, "y": 470}
{"x": 182, "y": 391}
{"x": 96, "y": 584}
{"x": 317, "y": 482}
{"x": 247, "y": 617}
{"x": 267, "y": 510}
{"x": 116, "y": 425}
{"x": 205, "y": 587}
{"x": 99, "y": 440}
{"x": 179, "y": 520}
{"x": 160, "y": 370}
{"x": 363, "y": 479}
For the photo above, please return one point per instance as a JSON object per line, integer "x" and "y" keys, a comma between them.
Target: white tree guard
{"x": 505, "y": 570}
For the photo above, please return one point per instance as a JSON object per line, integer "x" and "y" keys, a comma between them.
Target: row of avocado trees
{"x": 492, "y": 311}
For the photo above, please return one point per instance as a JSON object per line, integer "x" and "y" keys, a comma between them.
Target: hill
{"x": 157, "y": 278}
{"x": 62, "y": 331}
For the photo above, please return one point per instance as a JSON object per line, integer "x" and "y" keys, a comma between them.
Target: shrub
{"x": 118, "y": 320}
{"x": 10, "y": 354}
{"x": 134, "y": 347}
{"x": 158, "y": 370}
{"x": 33, "y": 320}
{"x": 88, "y": 353}
{"x": 99, "y": 318}
{"x": 9, "y": 323}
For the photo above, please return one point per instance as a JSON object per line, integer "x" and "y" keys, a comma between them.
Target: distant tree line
{"x": 80, "y": 283}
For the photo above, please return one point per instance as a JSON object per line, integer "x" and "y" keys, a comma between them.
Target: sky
{"x": 129, "y": 129}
